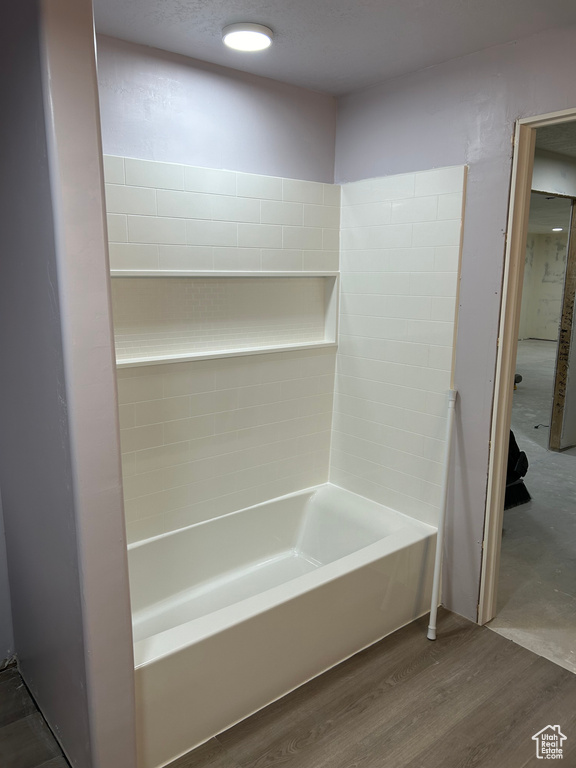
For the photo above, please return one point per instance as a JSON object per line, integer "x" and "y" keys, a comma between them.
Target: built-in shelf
{"x": 247, "y": 351}
{"x": 205, "y": 315}
{"x": 211, "y": 273}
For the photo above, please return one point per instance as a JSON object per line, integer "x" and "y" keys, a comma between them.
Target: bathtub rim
{"x": 167, "y": 534}
{"x": 170, "y": 641}
{"x": 311, "y": 490}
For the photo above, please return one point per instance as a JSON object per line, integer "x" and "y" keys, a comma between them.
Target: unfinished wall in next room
{"x": 543, "y": 286}
{"x": 400, "y": 255}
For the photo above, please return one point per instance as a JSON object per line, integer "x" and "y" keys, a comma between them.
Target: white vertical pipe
{"x": 442, "y": 520}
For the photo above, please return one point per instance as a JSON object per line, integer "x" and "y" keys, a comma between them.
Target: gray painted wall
{"x": 160, "y": 106}
{"x": 554, "y": 173}
{"x": 463, "y": 112}
{"x": 35, "y": 457}
{"x": 6, "y": 630}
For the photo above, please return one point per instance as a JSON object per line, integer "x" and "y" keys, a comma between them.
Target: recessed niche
{"x": 166, "y": 318}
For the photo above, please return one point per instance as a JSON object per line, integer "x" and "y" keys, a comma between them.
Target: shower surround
{"x": 209, "y": 436}
{"x": 400, "y": 254}
{"x": 310, "y": 451}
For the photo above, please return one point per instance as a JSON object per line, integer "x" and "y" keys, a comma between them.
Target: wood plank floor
{"x": 25, "y": 739}
{"x": 472, "y": 699}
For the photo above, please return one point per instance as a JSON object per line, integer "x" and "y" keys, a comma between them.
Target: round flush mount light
{"x": 556, "y": 229}
{"x": 247, "y": 36}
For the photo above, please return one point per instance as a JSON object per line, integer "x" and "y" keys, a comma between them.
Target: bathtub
{"x": 233, "y": 613}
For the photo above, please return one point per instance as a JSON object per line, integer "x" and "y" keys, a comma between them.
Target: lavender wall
{"x": 463, "y": 112}
{"x": 59, "y": 457}
{"x": 160, "y": 106}
{"x": 83, "y": 275}
{"x": 35, "y": 455}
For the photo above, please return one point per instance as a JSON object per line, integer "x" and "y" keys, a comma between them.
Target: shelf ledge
{"x": 211, "y": 273}
{"x": 134, "y": 362}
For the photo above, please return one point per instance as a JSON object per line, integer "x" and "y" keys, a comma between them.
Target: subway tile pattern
{"x": 169, "y": 216}
{"x": 177, "y": 315}
{"x": 201, "y": 439}
{"x": 204, "y": 438}
{"x": 400, "y": 258}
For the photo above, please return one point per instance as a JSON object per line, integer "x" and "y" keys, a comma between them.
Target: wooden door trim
{"x": 515, "y": 258}
{"x": 522, "y": 165}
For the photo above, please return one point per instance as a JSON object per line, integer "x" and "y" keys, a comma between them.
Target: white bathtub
{"x": 231, "y": 614}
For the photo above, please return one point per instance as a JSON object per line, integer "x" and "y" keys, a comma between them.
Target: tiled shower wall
{"x": 400, "y": 249}
{"x": 176, "y": 315}
{"x": 203, "y": 438}
{"x": 169, "y": 216}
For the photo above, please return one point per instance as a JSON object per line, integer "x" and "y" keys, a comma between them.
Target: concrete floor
{"x": 537, "y": 589}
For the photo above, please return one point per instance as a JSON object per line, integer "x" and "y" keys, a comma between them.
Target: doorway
{"x": 532, "y": 547}
{"x": 544, "y": 335}
{"x": 536, "y": 604}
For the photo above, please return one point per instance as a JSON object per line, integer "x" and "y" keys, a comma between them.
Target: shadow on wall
{"x": 6, "y": 633}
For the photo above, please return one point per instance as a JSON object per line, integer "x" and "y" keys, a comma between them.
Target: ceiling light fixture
{"x": 247, "y": 37}
{"x": 557, "y": 229}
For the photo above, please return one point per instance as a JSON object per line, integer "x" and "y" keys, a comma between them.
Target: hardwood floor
{"x": 25, "y": 739}
{"x": 472, "y": 699}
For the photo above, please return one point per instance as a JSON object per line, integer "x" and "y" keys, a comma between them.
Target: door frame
{"x": 514, "y": 259}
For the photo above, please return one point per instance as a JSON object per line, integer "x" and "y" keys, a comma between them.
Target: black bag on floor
{"x": 516, "y": 491}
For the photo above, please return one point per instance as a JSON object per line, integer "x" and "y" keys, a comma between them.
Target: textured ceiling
{"x": 335, "y": 46}
{"x": 547, "y": 212}
{"x": 558, "y": 138}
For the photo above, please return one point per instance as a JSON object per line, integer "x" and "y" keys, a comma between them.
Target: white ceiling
{"x": 335, "y": 46}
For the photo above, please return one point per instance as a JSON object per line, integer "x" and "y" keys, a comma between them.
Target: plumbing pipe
{"x": 440, "y": 535}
